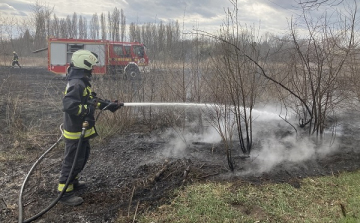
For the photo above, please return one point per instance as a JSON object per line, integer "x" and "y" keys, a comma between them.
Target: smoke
{"x": 178, "y": 142}
{"x": 291, "y": 149}
{"x": 176, "y": 145}
{"x": 277, "y": 142}
{"x": 274, "y": 142}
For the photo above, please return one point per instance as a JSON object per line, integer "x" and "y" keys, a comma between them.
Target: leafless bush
{"x": 316, "y": 66}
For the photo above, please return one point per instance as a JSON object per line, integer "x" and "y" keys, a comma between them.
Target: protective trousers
{"x": 70, "y": 151}
{"x": 15, "y": 62}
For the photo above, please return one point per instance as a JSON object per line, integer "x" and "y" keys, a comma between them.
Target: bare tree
{"x": 312, "y": 84}
{"x": 74, "y": 26}
{"x": 148, "y": 38}
{"x": 69, "y": 27}
{"x": 236, "y": 84}
{"x": 161, "y": 36}
{"x": 122, "y": 25}
{"x": 80, "y": 27}
{"x": 55, "y": 27}
{"x": 132, "y": 31}
{"x": 85, "y": 29}
{"x": 94, "y": 27}
{"x": 138, "y": 34}
{"x": 6, "y": 38}
{"x": 109, "y": 26}
{"x": 64, "y": 31}
{"x": 28, "y": 41}
{"x": 309, "y": 4}
{"x": 169, "y": 36}
{"x": 318, "y": 65}
{"x": 115, "y": 25}
{"x": 103, "y": 26}
{"x": 9, "y": 24}
{"x": 41, "y": 21}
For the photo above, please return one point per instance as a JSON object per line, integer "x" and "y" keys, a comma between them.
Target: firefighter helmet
{"x": 14, "y": 52}
{"x": 84, "y": 59}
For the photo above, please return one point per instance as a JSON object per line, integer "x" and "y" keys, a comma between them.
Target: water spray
{"x": 257, "y": 114}
{"x": 164, "y": 104}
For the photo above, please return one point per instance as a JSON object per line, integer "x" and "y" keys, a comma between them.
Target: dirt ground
{"x": 134, "y": 171}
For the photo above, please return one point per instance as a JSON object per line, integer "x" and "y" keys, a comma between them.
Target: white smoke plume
{"x": 178, "y": 143}
{"x": 275, "y": 142}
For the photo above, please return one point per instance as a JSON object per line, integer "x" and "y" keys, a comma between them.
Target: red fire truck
{"x": 128, "y": 58}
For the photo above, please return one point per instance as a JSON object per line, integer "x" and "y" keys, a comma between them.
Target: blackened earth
{"x": 129, "y": 172}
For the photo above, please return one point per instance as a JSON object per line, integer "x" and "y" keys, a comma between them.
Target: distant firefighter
{"x": 15, "y": 60}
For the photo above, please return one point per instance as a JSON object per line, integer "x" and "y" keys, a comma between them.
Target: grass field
{"x": 323, "y": 199}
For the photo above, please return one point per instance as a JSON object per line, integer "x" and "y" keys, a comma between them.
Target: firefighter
{"x": 15, "y": 60}
{"x": 79, "y": 104}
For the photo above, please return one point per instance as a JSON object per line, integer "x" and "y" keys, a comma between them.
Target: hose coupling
{"x": 85, "y": 124}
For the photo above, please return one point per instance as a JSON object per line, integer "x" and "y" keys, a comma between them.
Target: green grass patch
{"x": 323, "y": 199}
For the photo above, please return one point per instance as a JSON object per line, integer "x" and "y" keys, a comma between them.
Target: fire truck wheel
{"x": 132, "y": 72}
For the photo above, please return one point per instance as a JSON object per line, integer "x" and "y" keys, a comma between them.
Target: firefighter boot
{"x": 79, "y": 184}
{"x": 69, "y": 198}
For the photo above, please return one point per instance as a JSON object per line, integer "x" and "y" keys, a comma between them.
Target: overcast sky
{"x": 270, "y": 15}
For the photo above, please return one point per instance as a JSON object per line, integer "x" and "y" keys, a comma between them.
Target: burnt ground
{"x": 132, "y": 171}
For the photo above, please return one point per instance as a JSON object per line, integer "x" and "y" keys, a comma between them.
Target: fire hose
{"x": 55, "y": 201}
{"x": 85, "y": 124}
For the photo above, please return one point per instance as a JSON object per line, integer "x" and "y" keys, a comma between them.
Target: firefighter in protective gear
{"x": 79, "y": 104}
{"x": 15, "y": 60}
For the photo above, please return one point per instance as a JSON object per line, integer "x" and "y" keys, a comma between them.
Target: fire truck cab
{"x": 127, "y": 58}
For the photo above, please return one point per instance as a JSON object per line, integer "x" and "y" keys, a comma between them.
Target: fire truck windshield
{"x": 139, "y": 51}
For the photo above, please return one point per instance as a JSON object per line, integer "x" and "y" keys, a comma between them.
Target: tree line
{"x": 26, "y": 36}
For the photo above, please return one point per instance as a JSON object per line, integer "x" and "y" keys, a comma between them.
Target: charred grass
{"x": 131, "y": 180}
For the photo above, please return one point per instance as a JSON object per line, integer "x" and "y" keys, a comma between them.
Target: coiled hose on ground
{"x": 54, "y": 202}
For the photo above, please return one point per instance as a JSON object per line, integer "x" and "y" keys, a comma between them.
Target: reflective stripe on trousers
{"x": 68, "y": 189}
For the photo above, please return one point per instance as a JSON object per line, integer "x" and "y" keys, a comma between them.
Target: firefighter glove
{"x": 89, "y": 117}
{"x": 90, "y": 110}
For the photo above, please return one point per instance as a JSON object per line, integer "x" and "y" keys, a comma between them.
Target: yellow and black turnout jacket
{"x": 15, "y": 58}
{"x": 75, "y": 105}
